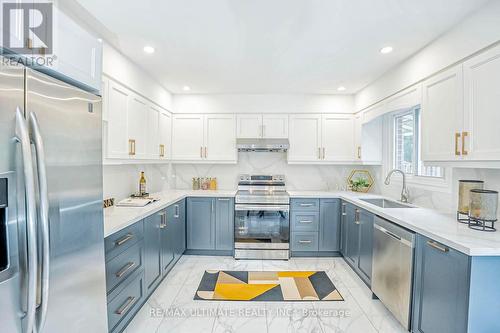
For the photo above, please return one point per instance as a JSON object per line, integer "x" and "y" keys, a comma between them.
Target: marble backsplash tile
{"x": 120, "y": 181}
{"x": 298, "y": 177}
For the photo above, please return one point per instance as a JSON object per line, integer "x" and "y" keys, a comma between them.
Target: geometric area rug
{"x": 267, "y": 286}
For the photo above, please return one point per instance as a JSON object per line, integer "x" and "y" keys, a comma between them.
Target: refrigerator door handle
{"x": 37, "y": 140}
{"x": 22, "y": 136}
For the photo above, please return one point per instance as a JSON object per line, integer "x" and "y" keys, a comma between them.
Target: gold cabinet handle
{"x": 359, "y": 152}
{"x": 323, "y": 152}
{"x": 201, "y": 152}
{"x": 162, "y": 150}
{"x": 464, "y": 135}
{"x": 131, "y": 148}
{"x": 457, "y": 137}
{"x": 319, "y": 153}
{"x": 205, "y": 152}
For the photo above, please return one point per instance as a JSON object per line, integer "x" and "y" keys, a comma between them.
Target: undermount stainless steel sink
{"x": 384, "y": 203}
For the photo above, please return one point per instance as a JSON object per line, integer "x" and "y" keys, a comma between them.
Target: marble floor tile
{"x": 179, "y": 312}
{"x": 292, "y": 317}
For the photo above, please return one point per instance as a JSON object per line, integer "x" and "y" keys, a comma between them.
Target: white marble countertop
{"x": 118, "y": 218}
{"x": 441, "y": 227}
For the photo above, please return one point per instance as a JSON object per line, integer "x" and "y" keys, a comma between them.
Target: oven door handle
{"x": 272, "y": 208}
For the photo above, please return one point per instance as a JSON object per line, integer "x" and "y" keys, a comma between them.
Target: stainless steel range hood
{"x": 262, "y": 145}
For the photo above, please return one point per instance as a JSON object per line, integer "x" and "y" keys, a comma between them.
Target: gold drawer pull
{"x": 125, "y": 269}
{"x": 306, "y": 205}
{"x": 305, "y": 221}
{"x": 305, "y": 241}
{"x": 457, "y": 137}
{"x": 162, "y": 150}
{"x": 359, "y": 152}
{"x": 437, "y": 246}
{"x": 123, "y": 240}
{"x": 126, "y": 306}
{"x": 464, "y": 135}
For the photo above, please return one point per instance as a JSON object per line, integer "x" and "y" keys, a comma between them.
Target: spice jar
{"x": 196, "y": 183}
{"x": 213, "y": 184}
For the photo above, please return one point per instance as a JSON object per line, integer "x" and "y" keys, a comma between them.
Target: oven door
{"x": 262, "y": 226}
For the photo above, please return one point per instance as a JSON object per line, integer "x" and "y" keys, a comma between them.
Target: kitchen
{"x": 287, "y": 166}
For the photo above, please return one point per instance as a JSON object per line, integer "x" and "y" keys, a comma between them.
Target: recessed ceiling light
{"x": 386, "y": 49}
{"x": 186, "y": 88}
{"x": 99, "y": 40}
{"x": 341, "y": 88}
{"x": 149, "y": 49}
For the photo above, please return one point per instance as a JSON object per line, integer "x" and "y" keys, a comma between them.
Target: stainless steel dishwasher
{"x": 393, "y": 249}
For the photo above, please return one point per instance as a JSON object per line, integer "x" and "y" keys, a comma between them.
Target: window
{"x": 407, "y": 145}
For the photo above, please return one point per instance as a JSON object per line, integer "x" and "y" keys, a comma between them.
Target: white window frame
{"x": 442, "y": 184}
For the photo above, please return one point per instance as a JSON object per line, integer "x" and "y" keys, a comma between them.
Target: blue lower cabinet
{"x": 180, "y": 228}
{"x": 441, "y": 288}
{"x": 365, "y": 256}
{"x": 224, "y": 224}
{"x": 329, "y": 225}
{"x": 357, "y": 233}
{"x": 200, "y": 223}
{"x": 168, "y": 240}
{"x": 304, "y": 221}
{"x": 126, "y": 302}
{"x": 124, "y": 265}
{"x": 305, "y": 241}
{"x": 351, "y": 235}
{"x": 343, "y": 228}
{"x": 152, "y": 249}
{"x": 210, "y": 225}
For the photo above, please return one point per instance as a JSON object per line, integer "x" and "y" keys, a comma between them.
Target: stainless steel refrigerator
{"x": 52, "y": 274}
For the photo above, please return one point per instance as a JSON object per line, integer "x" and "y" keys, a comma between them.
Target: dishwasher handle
{"x": 393, "y": 235}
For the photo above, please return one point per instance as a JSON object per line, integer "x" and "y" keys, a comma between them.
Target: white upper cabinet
{"x": 153, "y": 149}
{"x": 327, "y": 138}
{"x": 305, "y": 138}
{"x": 210, "y": 137}
{"x": 134, "y": 128}
{"x": 275, "y": 126}
{"x": 371, "y": 142}
{"x": 249, "y": 126}
{"x": 187, "y": 137}
{"x": 117, "y": 103}
{"x": 78, "y": 53}
{"x": 481, "y": 132}
{"x": 338, "y": 138}
{"x": 165, "y": 135}
{"x": 220, "y": 137}
{"x": 137, "y": 127}
{"x": 442, "y": 115}
{"x": 270, "y": 126}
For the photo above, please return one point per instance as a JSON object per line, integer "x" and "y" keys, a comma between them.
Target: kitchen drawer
{"x": 120, "y": 241}
{"x": 304, "y": 204}
{"x": 126, "y": 303}
{"x": 123, "y": 265}
{"x": 304, "y": 221}
{"x": 305, "y": 241}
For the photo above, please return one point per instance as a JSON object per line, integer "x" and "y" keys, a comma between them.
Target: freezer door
{"x": 70, "y": 126}
{"x": 11, "y": 97}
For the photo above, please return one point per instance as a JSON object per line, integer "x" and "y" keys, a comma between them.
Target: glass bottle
{"x": 142, "y": 184}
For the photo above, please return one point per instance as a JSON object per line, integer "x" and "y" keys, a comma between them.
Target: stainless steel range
{"x": 261, "y": 219}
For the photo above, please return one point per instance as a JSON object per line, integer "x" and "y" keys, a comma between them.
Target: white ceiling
{"x": 274, "y": 46}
